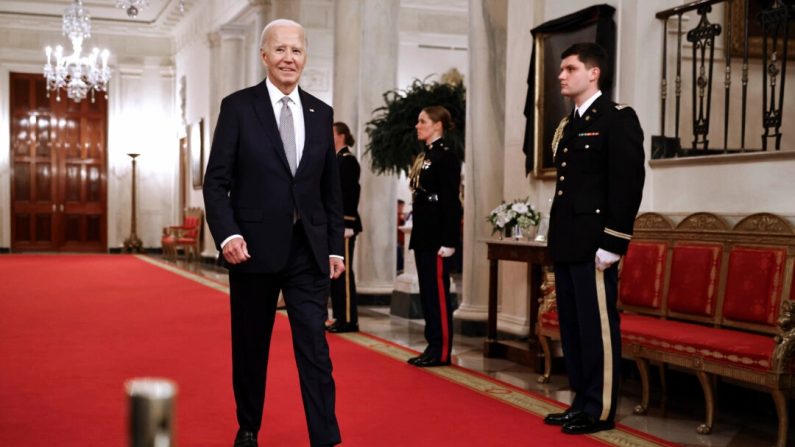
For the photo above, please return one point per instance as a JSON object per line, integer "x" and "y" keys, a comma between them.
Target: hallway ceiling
{"x": 158, "y": 19}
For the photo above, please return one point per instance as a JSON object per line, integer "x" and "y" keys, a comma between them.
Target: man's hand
{"x": 604, "y": 259}
{"x": 446, "y": 252}
{"x": 335, "y": 266}
{"x": 348, "y": 233}
{"x": 236, "y": 251}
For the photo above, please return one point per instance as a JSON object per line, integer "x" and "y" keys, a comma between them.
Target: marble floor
{"x": 743, "y": 417}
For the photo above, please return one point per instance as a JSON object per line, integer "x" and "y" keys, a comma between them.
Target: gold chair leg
{"x": 544, "y": 342}
{"x": 643, "y": 368}
{"x": 781, "y": 402}
{"x": 709, "y": 398}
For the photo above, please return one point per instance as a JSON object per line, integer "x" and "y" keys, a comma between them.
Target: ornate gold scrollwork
{"x": 785, "y": 340}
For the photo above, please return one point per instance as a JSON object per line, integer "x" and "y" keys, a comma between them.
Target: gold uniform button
{"x": 560, "y": 193}
{"x": 587, "y": 146}
{"x": 565, "y": 149}
{"x": 562, "y": 178}
{"x": 598, "y": 211}
{"x": 563, "y": 165}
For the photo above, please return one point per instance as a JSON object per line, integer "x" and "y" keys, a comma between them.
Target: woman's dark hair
{"x": 440, "y": 114}
{"x": 343, "y": 130}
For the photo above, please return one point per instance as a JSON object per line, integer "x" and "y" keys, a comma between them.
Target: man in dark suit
{"x": 273, "y": 202}
{"x": 599, "y": 157}
{"x": 343, "y": 289}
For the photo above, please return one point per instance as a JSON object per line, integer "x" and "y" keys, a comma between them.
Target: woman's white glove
{"x": 446, "y": 252}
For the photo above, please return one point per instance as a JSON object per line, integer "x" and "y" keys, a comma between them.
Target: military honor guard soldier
{"x": 599, "y": 156}
{"x": 434, "y": 180}
{"x": 343, "y": 289}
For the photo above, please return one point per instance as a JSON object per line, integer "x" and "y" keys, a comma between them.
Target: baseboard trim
{"x": 5, "y": 250}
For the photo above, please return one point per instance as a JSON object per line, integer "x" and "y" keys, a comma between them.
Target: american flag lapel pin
{"x": 311, "y": 110}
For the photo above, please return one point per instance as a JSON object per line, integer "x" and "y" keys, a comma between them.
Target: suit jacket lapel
{"x": 264, "y": 111}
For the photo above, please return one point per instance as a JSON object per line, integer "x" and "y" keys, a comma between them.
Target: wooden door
{"x": 58, "y": 179}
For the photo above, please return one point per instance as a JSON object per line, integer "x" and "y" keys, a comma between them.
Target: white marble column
{"x": 484, "y": 150}
{"x": 378, "y": 73}
{"x": 347, "y": 41}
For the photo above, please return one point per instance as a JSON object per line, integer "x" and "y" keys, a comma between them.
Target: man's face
{"x": 284, "y": 54}
{"x": 575, "y": 78}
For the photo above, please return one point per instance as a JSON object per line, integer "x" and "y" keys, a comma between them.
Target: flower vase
{"x": 516, "y": 232}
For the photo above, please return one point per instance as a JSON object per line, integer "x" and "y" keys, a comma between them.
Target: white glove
{"x": 348, "y": 233}
{"x": 604, "y": 259}
{"x": 446, "y": 252}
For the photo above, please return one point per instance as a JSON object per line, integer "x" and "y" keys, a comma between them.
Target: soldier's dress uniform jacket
{"x": 600, "y": 173}
{"x": 436, "y": 209}
{"x": 343, "y": 289}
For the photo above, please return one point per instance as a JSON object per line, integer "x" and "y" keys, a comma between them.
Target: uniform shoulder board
{"x": 621, "y": 105}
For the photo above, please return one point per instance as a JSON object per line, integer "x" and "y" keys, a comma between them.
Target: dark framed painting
{"x": 735, "y": 17}
{"x": 551, "y": 106}
{"x": 545, "y": 106}
{"x": 196, "y": 143}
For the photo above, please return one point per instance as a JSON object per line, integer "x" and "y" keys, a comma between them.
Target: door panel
{"x": 59, "y": 176}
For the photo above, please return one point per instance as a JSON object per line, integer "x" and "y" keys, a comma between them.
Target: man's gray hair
{"x": 280, "y": 22}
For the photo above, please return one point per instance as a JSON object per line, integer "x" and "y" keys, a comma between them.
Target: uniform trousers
{"x": 343, "y": 289}
{"x": 253, "y": 299}
{"x": 590, "y": 335}
{"x": 437, "y": 307}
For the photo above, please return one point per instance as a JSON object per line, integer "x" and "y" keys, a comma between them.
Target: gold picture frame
{"x": 196, "y": 143}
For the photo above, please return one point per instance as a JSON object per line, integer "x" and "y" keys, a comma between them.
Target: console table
{"x": 535, "y": 255}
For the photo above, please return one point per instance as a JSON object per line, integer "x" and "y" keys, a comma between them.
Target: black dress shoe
{"x": 245, "y": 439}
{"x": 338, "y": 328}
{"x": 413, "y": 360}
{"x": 429, "y": 362}
{"x": 561, "y": 418}
{"x": 585, "y": 424}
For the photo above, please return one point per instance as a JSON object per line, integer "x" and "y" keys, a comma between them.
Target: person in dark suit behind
{"x": 436, "y": 209}
{"x": 599, "y": 156}
{"x": 274, "y": 208}
{"x": 343, "y": 289}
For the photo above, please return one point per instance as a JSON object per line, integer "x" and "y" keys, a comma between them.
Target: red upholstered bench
{"x": 707, "y": 297}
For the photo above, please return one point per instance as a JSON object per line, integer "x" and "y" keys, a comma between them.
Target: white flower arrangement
{"x": 519, "y": 213}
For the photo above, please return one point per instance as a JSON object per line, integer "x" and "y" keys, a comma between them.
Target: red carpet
{"x": 73, "y": 328}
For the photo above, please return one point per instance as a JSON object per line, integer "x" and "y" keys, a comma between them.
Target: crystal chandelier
{"x": 132, "y": 6}
{"x": 78, "y": 75}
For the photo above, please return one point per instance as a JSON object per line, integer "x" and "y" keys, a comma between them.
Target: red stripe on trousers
{"x": 442, "y": 309}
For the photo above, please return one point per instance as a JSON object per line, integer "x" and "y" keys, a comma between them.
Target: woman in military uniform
{"x": 436, "y": 208}
{"x": 343, "y": 289}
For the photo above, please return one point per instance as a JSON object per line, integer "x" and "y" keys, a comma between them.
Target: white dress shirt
{"x": 584, "y": 106}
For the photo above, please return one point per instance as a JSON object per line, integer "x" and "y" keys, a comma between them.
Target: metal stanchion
{"x": 151, "y": 422}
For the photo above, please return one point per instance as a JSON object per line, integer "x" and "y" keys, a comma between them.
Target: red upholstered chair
{"x": 186, "y": 236}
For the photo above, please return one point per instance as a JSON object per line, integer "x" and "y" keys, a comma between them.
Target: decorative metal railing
{"x": 773, "y": 25}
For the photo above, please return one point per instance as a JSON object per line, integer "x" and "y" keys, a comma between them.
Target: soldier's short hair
{"x": 592, "y": 55}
